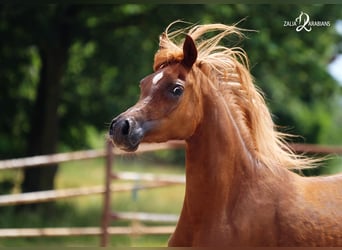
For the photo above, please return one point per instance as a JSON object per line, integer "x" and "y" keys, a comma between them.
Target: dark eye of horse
{"x": 177, "y": 90}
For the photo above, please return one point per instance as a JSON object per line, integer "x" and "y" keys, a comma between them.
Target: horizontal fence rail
{"x": 147, "y": 217}
{"x": 51, "y": 195}
{"x": 84, "y": 231}
{"x": 163, "y": 178}
{"x": 42, "y": 160}
{"x": 316, "y": 149}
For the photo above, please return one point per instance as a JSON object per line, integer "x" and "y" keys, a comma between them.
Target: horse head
{"x": 167, "y": 108}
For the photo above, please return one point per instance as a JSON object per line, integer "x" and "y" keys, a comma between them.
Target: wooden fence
{"x": 105, "y": 230}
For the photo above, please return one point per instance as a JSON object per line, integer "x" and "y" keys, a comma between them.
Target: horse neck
{"x": 217, "y": 159}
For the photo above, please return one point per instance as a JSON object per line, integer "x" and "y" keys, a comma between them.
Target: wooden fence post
{"x": 106, "y": 213}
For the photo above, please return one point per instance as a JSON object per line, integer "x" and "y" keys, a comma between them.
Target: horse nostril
{"x": 120, "y": 127}
{"x": 125, "y": 127}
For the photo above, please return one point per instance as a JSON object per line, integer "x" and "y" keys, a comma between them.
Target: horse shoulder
{"x": 253, "y": 219}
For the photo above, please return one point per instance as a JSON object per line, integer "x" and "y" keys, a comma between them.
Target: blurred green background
{"x": 67, "y": 70}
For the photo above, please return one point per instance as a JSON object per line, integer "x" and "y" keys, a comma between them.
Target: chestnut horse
{"x": 239, "y": 189}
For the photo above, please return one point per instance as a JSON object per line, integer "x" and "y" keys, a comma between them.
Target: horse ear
{"x": 189, "y": 52}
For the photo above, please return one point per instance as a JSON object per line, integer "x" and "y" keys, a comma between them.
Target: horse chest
{"x": 246, "y": 222}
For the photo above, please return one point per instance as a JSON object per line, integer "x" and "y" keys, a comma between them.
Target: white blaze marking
{"x": 157, "y": 77}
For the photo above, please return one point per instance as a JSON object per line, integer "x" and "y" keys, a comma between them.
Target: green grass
{"x": 86, "y": 211}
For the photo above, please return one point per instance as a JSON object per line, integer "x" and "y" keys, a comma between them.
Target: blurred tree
{"x": 289, "y": 66}
{"x": 68, "y": 69}
{"x": 51, "y": 83}
{"x": 53, "y": 42}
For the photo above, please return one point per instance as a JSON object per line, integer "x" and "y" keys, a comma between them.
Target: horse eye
{"x": 177, "y": 91}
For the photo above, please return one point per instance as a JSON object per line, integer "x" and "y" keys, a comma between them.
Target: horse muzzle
{"x": 127, "y": 133}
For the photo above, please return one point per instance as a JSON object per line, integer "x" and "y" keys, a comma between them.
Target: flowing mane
{"x": 227, "y": 70}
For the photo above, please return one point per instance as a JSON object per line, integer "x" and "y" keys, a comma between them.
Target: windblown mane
{"x": 227, "y": 69}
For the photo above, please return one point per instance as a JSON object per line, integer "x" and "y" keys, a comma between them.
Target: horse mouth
{"x": 127, "y": 148}
{"x": 126, "y": 144}
{"x": 126, "y": 134}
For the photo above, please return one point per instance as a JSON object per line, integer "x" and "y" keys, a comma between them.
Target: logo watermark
{"x": 303, "y": 23}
